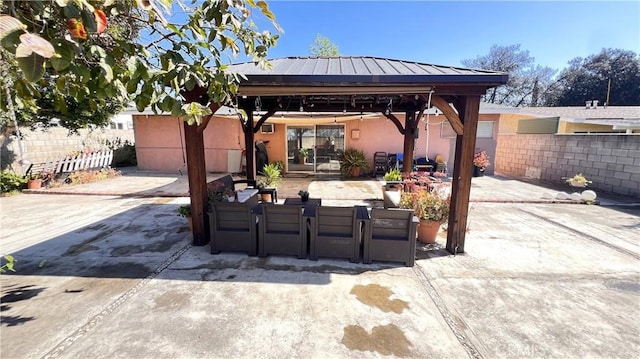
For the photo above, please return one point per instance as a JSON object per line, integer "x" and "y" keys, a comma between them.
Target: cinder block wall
{"x": 612, "y": 162}
{"x": 39, "y": 146}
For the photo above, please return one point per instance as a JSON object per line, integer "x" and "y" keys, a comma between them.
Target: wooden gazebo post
{"x": 196, "y": 167}
{"x": 468, "y": 110}
{"x": 197, "y": 174}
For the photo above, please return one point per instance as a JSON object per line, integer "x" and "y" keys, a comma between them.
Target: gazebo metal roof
{"x": 363, "y": 70}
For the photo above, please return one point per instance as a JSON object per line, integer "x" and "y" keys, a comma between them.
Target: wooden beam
{"x": 449, "y": 113}
{"x": 410, "y": 125}
{"x": 468, "y": 108}
{"x": 263, "y": 119}
{"x": 396, "y": 122}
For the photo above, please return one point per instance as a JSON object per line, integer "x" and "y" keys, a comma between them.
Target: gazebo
{"x": 354, "y": 85}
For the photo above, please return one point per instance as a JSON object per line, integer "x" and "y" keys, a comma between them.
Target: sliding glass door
{"x": 314, "y": 148}
{"x": 329, "y": 148}
{"x": 300, "y": 142}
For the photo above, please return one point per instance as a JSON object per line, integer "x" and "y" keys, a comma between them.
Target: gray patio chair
{"x": 233, "y": 227}
{"x": 390, "y": 235}
{"x": 335, "y": 233}
{"x": 282, "y": 231}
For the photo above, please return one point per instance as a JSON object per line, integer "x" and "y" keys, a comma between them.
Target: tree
{"x": 528, "y": 83}
{"x": 322, "y": 46}
{"x": 588, "y": 79}
{"x": 89, "y": 52}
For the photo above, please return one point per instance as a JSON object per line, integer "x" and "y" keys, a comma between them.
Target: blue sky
{"x": 444, "y": 33}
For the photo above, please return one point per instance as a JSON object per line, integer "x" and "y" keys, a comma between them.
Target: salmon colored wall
{"x": 381, "y": 135}
{"x": 159, "y": 147}
{"x": 277, "y": 143}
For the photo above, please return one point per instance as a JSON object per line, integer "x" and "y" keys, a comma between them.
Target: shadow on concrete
{"x": 12, "y": 294}
{"x": 151, "y": 239}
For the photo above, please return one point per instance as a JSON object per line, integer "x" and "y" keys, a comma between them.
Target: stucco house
{"x": 590, "y": 119}
{"x": 160, "y": 144}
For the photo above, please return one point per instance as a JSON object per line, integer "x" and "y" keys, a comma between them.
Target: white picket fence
{"x": 68, "y": 164}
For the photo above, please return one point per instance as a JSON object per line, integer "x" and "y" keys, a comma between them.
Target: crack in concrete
{"x": 457, "y": 324}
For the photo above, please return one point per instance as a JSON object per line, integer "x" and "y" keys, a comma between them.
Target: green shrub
{"x": 11, "y": 182}
{"x": 393, "y": 175}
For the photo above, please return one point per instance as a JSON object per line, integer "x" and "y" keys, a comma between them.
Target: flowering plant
{"x": 481, "y": 160}
{"x": 418, "y": 180}
{"x": 220, "y": 193}
{"x": 578, "y": 180}
{"x": 427, "y": 205}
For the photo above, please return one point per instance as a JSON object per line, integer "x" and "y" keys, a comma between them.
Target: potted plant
{"x": 431, "y": 207}
{"x": 271, "y": 179}
{"x": 578, "y": 180}
{"x": 480, "y": 163}
{"x": 352, "y": 162}
{"x": 393, "y": 180}
{"x": 34, "y": 181}
{"x": 185, "y": 211}
{"x": 304, "y": 195}
{"x": 303, "y": 153}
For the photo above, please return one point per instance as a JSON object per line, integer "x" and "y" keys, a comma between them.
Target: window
{"x": 266, "y": 128}
{"x": 485, "y": 129}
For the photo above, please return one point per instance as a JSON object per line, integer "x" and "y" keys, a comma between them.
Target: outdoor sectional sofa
{"x": 233, "y": 227}
{"x": 390, "y": 235}
{"x": 335, "y": 232}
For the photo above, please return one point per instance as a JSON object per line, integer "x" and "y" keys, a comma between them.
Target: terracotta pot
{"x": 355, "y": 171}
{"x": 266, "y": 197}
{"x": 302, "y": 160}
{"x": 34, "y": 184}
{"x": 428, "y": 231}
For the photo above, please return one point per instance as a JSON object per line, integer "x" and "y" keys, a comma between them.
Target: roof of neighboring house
{"x": 579, "y": 112}
{"x": 619, "y": 117}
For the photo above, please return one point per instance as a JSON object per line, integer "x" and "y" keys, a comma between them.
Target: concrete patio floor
{"x": 106, "y": 270}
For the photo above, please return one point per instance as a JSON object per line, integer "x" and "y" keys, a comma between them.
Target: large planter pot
{"x": 478, "y": 172}
{"x": 34, "y": 184}
{"x": 302, "y": 160}
{"x": 428, "y": 231}
{"x": 391, "y": 186}
{"x": 355, "y": 171}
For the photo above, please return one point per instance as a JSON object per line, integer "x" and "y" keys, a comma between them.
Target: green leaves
{"x": 193, "y": 112}
{"x": 9, "y": 262}
{"x": 32, "y": 66}
{"x": 66, "y": 53}
{"x": 87, "y": 68}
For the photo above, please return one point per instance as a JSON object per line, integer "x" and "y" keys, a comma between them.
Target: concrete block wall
{"x": 612, "y": 162}
{"x": 39, "y": 146}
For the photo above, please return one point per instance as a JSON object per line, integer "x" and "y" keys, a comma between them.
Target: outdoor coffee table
{"x": 298, "y": 202}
